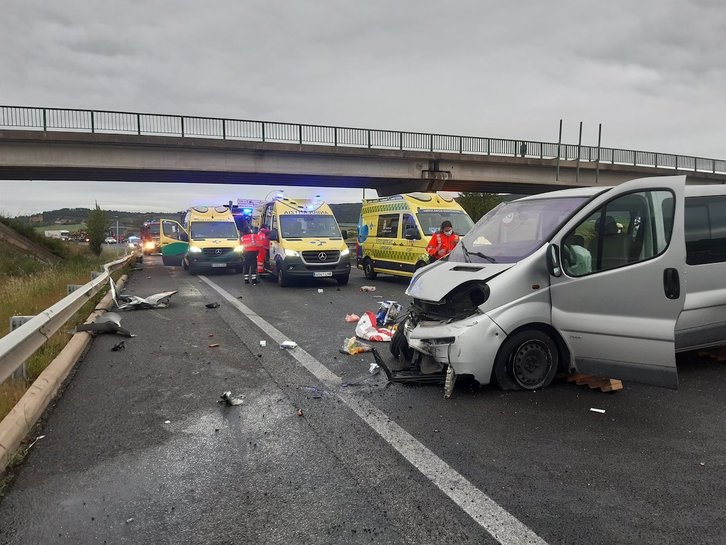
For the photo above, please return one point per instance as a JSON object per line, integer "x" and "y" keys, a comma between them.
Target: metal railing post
{"x": 369, "y": 138}
{"x": 93, "y": 123}
{"x": 695, "y": 164}
{"x": 431, "y": 143}
{"x": 224, "y": 129}
{"x": 461, "y": 144}
{"x": 489, "y": 146}
{"x": 335, "y": 136}
{"x": 45, "y": 121}
{"x": 299, "y": 134}
{"x": 676, "y": 162}
{"x": 263, "y": 131}
{"x": 400, "y": 141}
{"x": 182, "y": 126}
{"x": 597, "y": 165}
{"x": 559, "y": 143}
{"x": 579, "y": 146}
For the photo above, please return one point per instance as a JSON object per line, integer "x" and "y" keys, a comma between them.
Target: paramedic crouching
{"x": 442, "y": 242}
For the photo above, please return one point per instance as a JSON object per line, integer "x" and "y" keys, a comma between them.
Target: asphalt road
{"x": 137, "y": 450}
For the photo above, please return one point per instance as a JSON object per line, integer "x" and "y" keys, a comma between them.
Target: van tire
{"x": 527, "y": 360}
{"x": 399, "y": 345}
{"x": 192, "y": 269}
{"x": 282, "y": 280}
{"x": 185, "y": 265}
{"x": 343, "y": 280}
{"x": 368, "y": 269}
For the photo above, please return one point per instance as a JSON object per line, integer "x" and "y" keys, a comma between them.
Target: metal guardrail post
{"x": 45, "y": 121}
{"x": 224, "y": 129}
{"x": 93, "y": 123}
{"x": 676, "y": 162}
{"x": 461, "y": 144}
{"x": 182, "y": 125}
{"x": 431, "y": 143}
{"x": 138, "y": 124}
{"x": 400, "y": 141}
{"x": 335, "y": 136}
{"x": 369, "y": 138}
{"x": 263, "y": 131}
{"x": 299, "y": 134}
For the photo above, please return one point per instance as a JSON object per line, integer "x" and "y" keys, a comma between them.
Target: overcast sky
{"x": 653, "y": 72}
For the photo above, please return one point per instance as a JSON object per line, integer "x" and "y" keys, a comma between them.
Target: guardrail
{"x": 147, "y": 124}
{"x": 18, "y": 345}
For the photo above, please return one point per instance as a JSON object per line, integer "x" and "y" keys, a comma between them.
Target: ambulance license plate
{"x": 219, "y": 264}
{"x": 322, "y": 274}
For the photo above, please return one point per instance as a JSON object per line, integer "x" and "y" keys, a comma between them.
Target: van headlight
{"x": 195, "y": 250}
{"x": 291, "y": 253}
{"x": 344, "y": 252}
{"x": 239, "y": 249}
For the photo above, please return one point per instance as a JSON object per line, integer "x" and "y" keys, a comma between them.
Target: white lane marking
{"x": 497, "y": 521}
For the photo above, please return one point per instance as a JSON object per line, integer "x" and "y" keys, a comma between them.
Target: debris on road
{"x": 367, "y": 288}
{"x": 601, "y": 411}
{"x": 133, "y": 302}
{"x": 212, "y": 305}
{"x": 366, "y": 329}
{"x": 109, "y": 322}
{"x": 288, "y": 344}
{"x": 603, "y": 383}
{"x": 374, "y": 369}
{"x": 300, "y": 412}
{"x": 354, "y": 346}
{"x": 412, "y": 375}
{"x": 320, "y": 290}
{"x": 119, "y": 346}
{"x": 263, "y": 343}
{"x": 350, "y": 318}
{"x": 317, "y": 393}
{"x": 227, "y": 399}
{"x": 167, "y": 421}
{"x": 214, "y": 345}
{"x": 388, "y": 312}
{"x": 129, "y": 521}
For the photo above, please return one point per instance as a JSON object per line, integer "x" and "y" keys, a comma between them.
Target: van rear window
{"x": 705, "y": 223}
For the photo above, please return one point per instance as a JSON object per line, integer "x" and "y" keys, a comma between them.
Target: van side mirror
{"x": 553, "y": 260}
{"x": 273, "y": 236}
{"x": 411, "y": 233}
{"x": 344, "y": 233}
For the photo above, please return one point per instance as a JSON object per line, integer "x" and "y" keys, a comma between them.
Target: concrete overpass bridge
{"x": 63, "y": 144}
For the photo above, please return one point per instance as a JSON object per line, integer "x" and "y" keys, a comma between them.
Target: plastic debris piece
{"x": 128, "y": 521}
{"x": 354, "y": 346}
{"x": 212, "y": 305}
{"x": 167, "y": 421}
{"x": 214, "y": 345}
{"x": 320, "y": 290}
{"x": 210, "y": 335}
{"x": 132, "y": 302}
{"x": 601, "y": 411}
{"x": 366, "y": 329}
{"x": 374, "y": 369}
{"x": 367, "y": 288}
{"x": 300, "y": 412}
{"x": 350, "y": 318}
{"x": 110, "y": 322}
{"x": 288, "y": 345}
{"x": 119, "y": 346}
{"x": 227, "y": 399}
{"x": 388, "y": 312}
{"x": 263, "y": 343}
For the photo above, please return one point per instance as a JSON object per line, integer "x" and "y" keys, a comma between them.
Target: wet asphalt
{"x": 137, "y": 450}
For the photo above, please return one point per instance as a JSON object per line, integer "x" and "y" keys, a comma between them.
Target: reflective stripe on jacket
{"x": 442, "y": 241}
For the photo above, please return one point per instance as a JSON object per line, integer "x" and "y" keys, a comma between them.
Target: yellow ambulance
{"x": 305, "y": 241}
{"x": 207, "y": 240}
{"x": 393, "y": 231}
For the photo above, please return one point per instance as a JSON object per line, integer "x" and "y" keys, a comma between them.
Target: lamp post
{"x": 117, "y": 237}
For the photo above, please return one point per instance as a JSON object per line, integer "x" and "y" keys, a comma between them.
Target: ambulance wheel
{"x": 343, "y": 280}
{"x": 282, "y": 279}
{"x": 527, "y": 360}
{"x": 185, "y": 265}
{"x": 368, "y": 269}
{"x": 419, "y": 264}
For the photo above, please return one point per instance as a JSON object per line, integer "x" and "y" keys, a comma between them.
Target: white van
{"x": 606, "y": 281}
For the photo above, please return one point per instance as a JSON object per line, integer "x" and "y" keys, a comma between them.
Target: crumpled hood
{"x": 432, "y": 283}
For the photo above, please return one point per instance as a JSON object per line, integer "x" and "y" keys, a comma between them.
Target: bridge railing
{"x": 114, "y": 122}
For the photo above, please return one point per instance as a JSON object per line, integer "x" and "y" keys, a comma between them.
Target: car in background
{"x": 133, "y": 241}
{"x": 110, "y": 240}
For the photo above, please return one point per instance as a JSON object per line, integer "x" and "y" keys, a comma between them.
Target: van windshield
{"x": 513, "y": 230}
{"x": 309, "y": 225}
{"x": 431, "y": 220}
{"x": 213, "y": 229}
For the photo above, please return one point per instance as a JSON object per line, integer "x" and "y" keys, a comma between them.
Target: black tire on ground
{"x": 282, "y": 279}
{"x": 527, "y": 360}
{"x": 399, "y": 345}
{"x": 343, "y": 280}
{"x": 368, "y": 269}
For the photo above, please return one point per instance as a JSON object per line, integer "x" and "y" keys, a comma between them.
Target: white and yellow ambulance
{"x": 207, "y": 240}
{"x": 305, "y": 241}
{"x": 393, "y": 231}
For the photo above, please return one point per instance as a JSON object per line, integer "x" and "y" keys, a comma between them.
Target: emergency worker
{"x": 263, "y": 246}
{"x": 443, "y": 242}
{"x": 249, "y": 263}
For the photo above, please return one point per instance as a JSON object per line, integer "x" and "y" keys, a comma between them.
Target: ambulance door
{"x": 411, "y": 238}
{"x": 387, "y": 248}
{"x": 174, "y": 242}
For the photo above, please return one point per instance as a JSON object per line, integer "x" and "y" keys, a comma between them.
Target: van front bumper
{"x": 295, "y": 267}
{"x": 469, "y": 346}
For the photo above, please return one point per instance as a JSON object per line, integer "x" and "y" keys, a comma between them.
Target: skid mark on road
{"x": 497, "y": 521}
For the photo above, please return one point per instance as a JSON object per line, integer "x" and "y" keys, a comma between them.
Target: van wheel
{"x": 192, "y": 269}
{"x": 185, "y": 265}
{"x": 368, "y": 269}
{"x": 282, "y": 279}
{"x": 527, "y": 360}
{"x": 343, "y": 280}
{"x": 399, "y": 345}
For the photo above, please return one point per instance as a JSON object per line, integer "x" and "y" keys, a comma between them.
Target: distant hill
{"x": 72, "y": 217}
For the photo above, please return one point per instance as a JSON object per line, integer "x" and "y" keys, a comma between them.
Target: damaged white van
{"x": 606, "y": 281}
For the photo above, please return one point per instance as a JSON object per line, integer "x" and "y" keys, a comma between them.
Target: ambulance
{"x": 206, "y": 240}
{"x": 305, "y": 241}
{"x": 393, "y": 231}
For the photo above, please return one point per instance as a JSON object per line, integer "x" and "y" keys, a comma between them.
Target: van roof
{"x": 705, "y": 190}
{"x": 574, "y": 192}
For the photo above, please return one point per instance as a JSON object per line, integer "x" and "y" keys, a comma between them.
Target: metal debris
{"x": 227, "y": 399}
{"x": 212, "y": 305}
{"x": 133, "y": 302}
{"x": 119, "y": 346}
{"x": 109, "y": 322}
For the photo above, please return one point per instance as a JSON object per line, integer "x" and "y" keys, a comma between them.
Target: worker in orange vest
{"x": 263, "y": 245}
{"x": 442, "y": 242}
{"x": 249, "y": 263}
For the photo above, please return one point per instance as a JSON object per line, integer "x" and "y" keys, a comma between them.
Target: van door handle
{"x": 671, "y": 283}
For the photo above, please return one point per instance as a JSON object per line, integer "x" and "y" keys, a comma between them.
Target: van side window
{"x": 409, "y": 226}
{"x": 171, "y": 229}
{"x": 705, "y": 230}
{"x": 388, "y": 226}
{"x": 630, "y": 229}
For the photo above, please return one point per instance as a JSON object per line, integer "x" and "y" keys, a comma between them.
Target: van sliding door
{"x": 622, "y": 287}
{"x": 174, "y": 242}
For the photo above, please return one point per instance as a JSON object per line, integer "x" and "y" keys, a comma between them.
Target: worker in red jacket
{"x": 442, "y": 242}
{"x": 249, "y": 263}
{"x": 263, "y": 246}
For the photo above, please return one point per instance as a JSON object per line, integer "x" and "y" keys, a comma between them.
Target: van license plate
{"x": 219, "y": 264}
{"x": 322, "y": 274}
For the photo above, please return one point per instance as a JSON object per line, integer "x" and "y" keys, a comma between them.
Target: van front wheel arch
{"x": 528, "y": 360}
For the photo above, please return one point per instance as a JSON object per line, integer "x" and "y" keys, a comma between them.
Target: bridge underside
{"x": 34, "y": 155}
